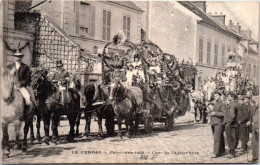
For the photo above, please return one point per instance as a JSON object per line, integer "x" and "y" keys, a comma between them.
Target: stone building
{"x": 92, "y": 24}
{"x": 12, "y": 38}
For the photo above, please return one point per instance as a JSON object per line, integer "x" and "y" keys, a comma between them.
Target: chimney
{"x": 247, "y": 33}
{"x": 200, "y": 4}
{"x": 220, "y": 18}
{"x": 236, "y": 28}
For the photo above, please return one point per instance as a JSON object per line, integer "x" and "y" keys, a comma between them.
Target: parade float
{"x": 164, "y": 80}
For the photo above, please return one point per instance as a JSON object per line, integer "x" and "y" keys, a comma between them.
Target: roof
{"x": 128, "y": 4}
{"x": 250, "y": 50}
{"x": 206, "y": 18}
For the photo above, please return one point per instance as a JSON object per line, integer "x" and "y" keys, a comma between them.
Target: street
{"x": 187, "y": 143}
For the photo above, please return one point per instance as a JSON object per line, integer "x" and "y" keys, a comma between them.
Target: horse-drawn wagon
{"x": 164, "y": 83}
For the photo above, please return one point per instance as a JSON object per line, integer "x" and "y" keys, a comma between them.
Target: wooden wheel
{"x": 169, "y": 123}
{"x": 148, "y": 125}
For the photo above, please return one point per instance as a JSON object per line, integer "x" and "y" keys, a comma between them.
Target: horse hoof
{"x": 24, "y": 150}
{"x": 17, "y": 147}
{"x": 45, "y": 144}
{"x": 5, "y": 155}
{"x": 56, "y": 142}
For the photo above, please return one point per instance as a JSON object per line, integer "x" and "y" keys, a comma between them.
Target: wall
{"x": 173, "y": 29}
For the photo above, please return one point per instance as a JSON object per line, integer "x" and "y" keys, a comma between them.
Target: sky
{"x": 244, "y": 12}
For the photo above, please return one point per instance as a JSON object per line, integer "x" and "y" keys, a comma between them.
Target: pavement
{"x": 187, "y": 143}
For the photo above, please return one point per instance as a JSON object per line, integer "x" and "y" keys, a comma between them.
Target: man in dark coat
{"x": 62, "y": 77}
{"x": 216, "y": 121}
{"x": 243, "y": 117}
{"x": 230, "y": 122}
{"x": 60, "y": 74}
{"x": 23, "y": 77}
{"x": 255, "y": 134}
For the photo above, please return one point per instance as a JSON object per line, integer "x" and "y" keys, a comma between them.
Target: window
{"x": 216, "y": 55}
{"x": 201, "y": 50}
{"x": 223, "y": 56}
{"x": 126, "y": 26}
{"x": 106, "y": 25}
{"x": 208, "y": 51}
{"x": 84, "y": 15}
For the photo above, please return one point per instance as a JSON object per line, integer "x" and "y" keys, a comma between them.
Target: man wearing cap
{"x": 216, "y": 121}
{"x": 23, "y": 74}
{"x": 230, "y": 122}
{"x": 242, "y": 118}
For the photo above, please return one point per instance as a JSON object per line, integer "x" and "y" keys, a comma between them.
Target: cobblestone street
{"x": 187, "y": 143}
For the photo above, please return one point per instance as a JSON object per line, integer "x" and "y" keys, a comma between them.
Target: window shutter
{"x": 104, "y": 25}
{"x": 82, "y": 18}
{"x": 124, "y": 24}
{"x": 92, "y": 28}
{"x": 108, "y": 25}
{"x": 128, "y": 27}
{"x": 77, "y": 8}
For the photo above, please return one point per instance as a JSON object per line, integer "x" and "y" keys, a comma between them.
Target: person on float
{"x": 209, "y": 88}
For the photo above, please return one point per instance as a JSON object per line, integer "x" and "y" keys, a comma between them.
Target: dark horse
{"x": 49, "y": 108}
{"x": 125, "y": 104}
{"x": 95, "y": 94}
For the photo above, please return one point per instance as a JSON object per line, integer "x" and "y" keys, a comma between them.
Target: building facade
{"x": 92, "y": 24}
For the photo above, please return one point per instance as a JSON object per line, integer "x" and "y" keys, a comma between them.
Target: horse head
{"x": 116, "y": 91}
{"x": 8, "y": 84}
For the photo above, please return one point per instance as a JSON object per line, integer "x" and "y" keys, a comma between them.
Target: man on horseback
{"x": 23, "y": 78}
{"x": 61, "y": 76}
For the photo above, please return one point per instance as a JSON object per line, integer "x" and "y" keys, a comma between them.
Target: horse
{"x": 125, "y": 102}
{"x": 14, "y": 111}
{"x": 198, "y": 106}
{"x": 96, "y": 94}
{"x": 50, "y": 108}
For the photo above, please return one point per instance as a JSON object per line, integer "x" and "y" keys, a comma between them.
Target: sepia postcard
{"x": 86, "y": 81}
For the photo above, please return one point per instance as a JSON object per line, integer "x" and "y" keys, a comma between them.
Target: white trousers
{"x": 26, "y": 95}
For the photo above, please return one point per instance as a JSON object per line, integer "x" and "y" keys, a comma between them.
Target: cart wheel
{"x": 148, "y": 125}
{"x": 169, "y": 123}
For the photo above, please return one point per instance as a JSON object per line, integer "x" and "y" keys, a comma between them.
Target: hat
{"x": 59, "y": 63}
{"x": 217, "y": 92}
{"x": 211, "y": 103}
{"x": 246, "y": 96}
{"x": 232, "y": 94}
{"x": 240, "y": 97}
{"x": 18, "y": 53}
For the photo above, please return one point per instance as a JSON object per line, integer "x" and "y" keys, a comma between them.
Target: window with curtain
{"x": 201, "y": 50}
{"x": 106, "y": 25}
{"x": 126, "y": 26}
{"x": 208, "y": 51}
{"x": 84, "y": 17}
